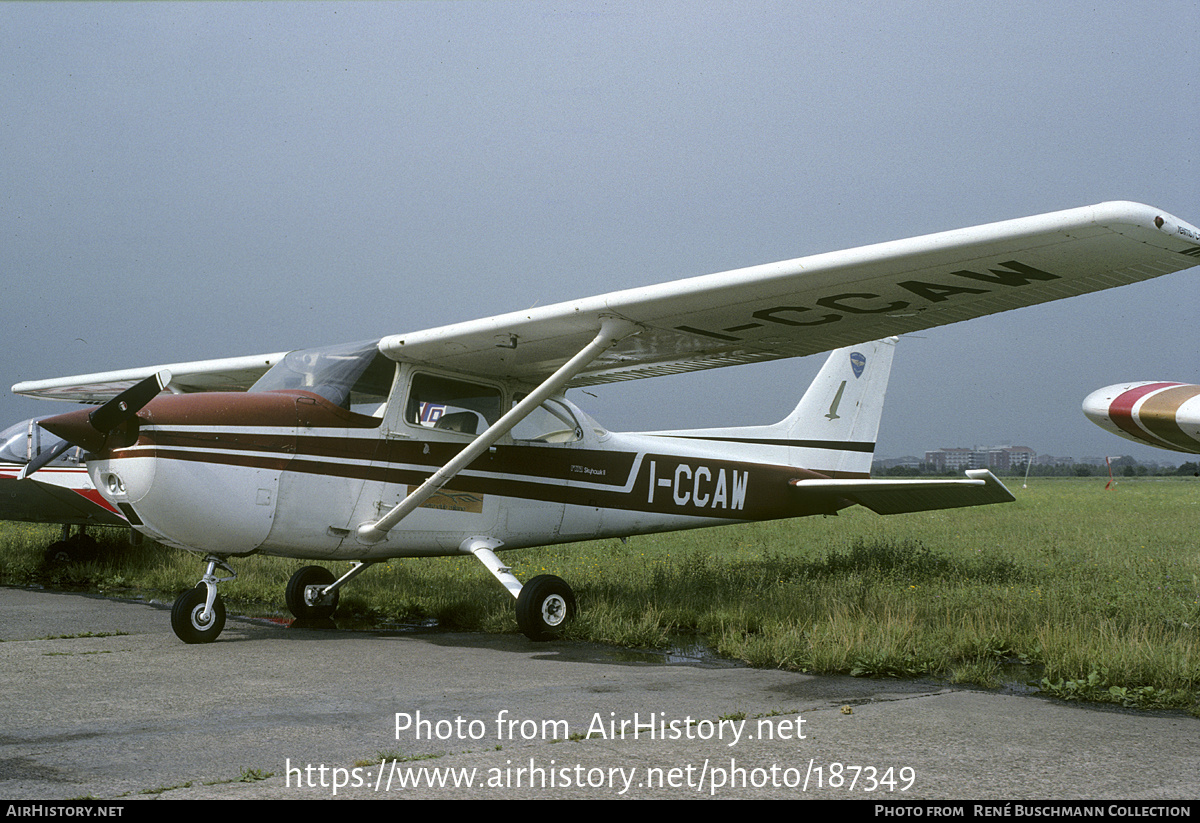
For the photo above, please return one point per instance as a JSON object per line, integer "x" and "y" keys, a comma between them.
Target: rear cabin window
{"x": 451, "y": 405}
{"x": 551, "y": 422}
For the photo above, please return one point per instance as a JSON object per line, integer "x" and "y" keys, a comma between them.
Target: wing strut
{"x": 612, "y": 331}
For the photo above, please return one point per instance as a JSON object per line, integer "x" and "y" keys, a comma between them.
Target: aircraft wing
{"x": 225, "y": 374}
{"x": 54, "y": 495}
{"x": 815, "y": 304}
{"x": 767, "y": 312}
{"x": 886, "y": 496}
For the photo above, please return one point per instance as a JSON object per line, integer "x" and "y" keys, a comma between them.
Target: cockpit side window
{"x": 557, "y": 420}
{"x": 451, "y": 405}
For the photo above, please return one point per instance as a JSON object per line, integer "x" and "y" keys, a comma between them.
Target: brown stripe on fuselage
{"x": 289, "y": 408}
{"x": 1120, "y": 410}
{"x": 593, "y": 465}
{"x": 581, "y": 475}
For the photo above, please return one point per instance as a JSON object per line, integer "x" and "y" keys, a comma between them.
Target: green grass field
{"x": 1095, "y": 591}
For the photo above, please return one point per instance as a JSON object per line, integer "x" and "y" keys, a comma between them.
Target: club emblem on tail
{"x": 857, "y": 363}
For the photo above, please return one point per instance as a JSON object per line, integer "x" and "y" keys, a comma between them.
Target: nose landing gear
{"x": 198, "y": 615}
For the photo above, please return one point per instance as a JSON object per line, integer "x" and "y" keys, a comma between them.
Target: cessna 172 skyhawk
{"x": 459, "y": 440}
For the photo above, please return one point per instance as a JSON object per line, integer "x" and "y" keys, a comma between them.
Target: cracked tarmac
{"x": 130, "y": 712}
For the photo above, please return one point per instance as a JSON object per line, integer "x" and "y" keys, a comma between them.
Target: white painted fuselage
{"x": 221, "y": 474}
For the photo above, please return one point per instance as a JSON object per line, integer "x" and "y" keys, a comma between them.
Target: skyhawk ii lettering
{"x": 460, "y": 440}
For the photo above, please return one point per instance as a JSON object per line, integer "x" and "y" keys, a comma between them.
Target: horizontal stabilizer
{"x": 901, "y": 496}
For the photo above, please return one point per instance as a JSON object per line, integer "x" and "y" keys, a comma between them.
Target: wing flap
{"x": 884, "y": 496}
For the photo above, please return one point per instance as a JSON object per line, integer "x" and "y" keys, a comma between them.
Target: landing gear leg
{"x": 198, "y": 615}
{"x": 545, "y": 605}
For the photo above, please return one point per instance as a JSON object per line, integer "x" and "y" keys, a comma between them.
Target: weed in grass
{"x": 397, "y": 756}
{"x": 984, "y": 672}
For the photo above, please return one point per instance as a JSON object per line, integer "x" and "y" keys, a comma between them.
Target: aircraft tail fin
{"x": 838, "y": 417}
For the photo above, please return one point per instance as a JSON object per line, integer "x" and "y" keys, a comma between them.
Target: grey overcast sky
{"x": 184, "y": 181}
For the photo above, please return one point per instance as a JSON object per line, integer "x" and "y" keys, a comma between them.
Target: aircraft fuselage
{"x": 299, "y": 475}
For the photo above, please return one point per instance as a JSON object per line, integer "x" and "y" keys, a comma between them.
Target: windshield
{"x": 354, "y": 376}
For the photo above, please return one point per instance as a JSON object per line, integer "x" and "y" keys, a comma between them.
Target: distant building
{"x": 907, "y": 462}
{"x": 1001, "y": 458}
{"x": 1010, "y": 457}
{"x": 944, "y": 460}
{"x": 1051, "y": 460}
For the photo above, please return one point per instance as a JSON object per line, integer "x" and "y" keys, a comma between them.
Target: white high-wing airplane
{"x": 458, "y": 440}
{"x": 1165, "y": 415}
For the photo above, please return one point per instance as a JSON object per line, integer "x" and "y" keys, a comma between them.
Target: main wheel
{"x": 544, "y": 607}
{"x": 79, "y": 547}
{"x": 57, "y": 552}
{"x": 298, "y": 601}
{"x": 186, "y": 616}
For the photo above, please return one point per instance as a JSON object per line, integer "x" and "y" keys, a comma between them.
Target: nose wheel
{"x": 198, "y": 615}
{"x": 193, "y": 620}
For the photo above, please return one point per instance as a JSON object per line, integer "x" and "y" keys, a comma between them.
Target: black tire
{"x": 57, "y": 552}
{"x": 185, "y": 616}
{"x": 545, "y": 606}
{"x": 83, "y": 547}
{"x": 299, "y": 605}
{"x": 75, "y": 549}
